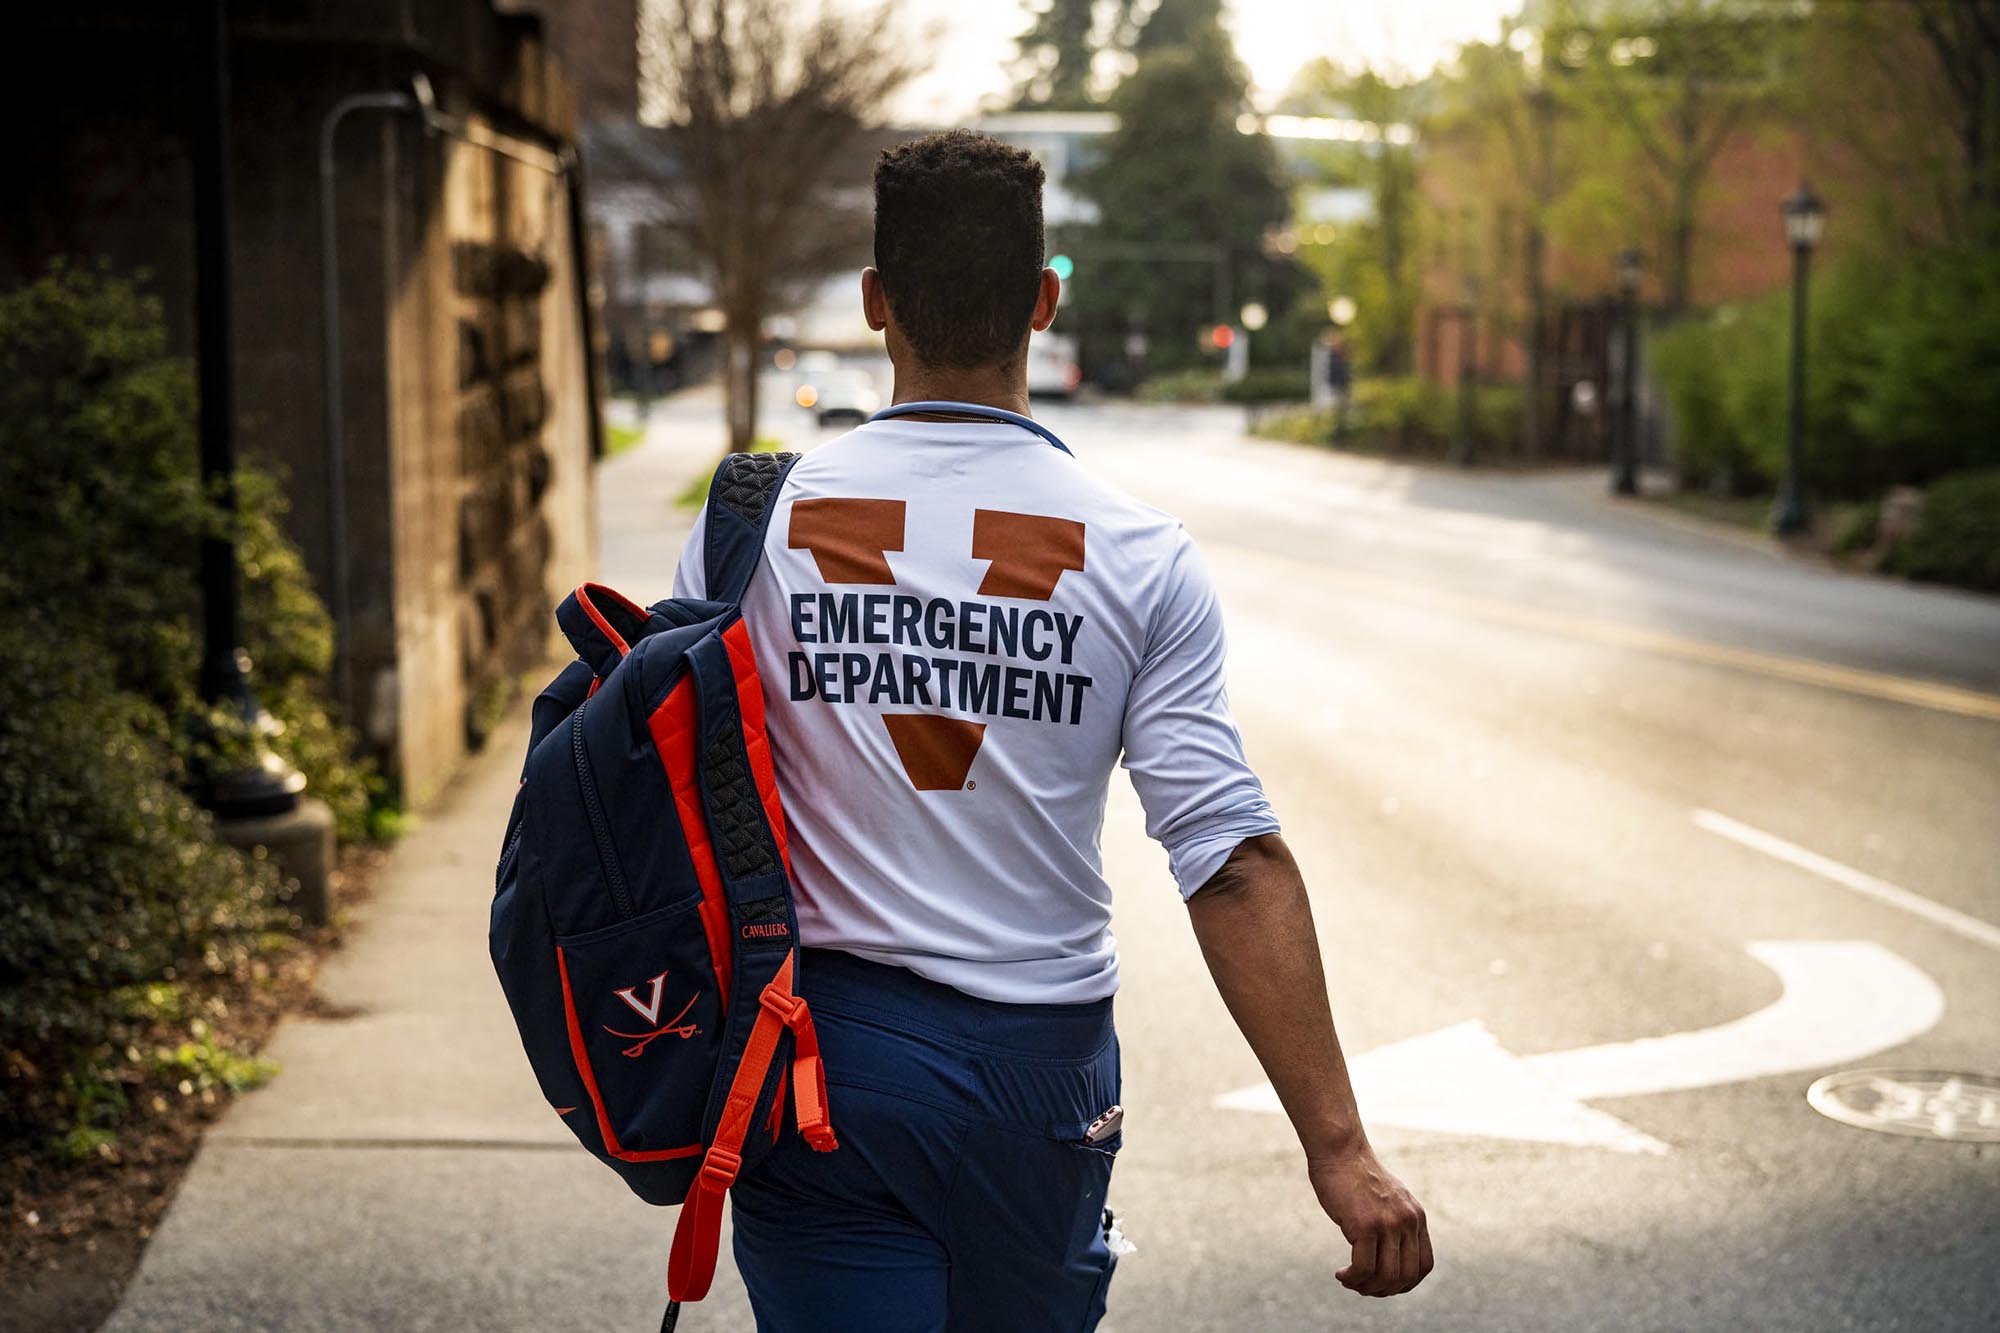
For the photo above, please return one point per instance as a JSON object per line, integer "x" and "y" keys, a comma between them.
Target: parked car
{"x": 837, "y": 395}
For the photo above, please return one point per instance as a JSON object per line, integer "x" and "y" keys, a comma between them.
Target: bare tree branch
{"x": 759, "y": 97}
{"x": 1948, "y": 51}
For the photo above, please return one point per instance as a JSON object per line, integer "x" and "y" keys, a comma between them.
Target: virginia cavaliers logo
{"x": 649, "y": 1009}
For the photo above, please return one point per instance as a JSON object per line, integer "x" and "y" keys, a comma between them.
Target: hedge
{"x": 1409, "y": 415}
{"x": 1899, "y": 381}
{"x": 1957, "y": 537}
{"x": 114, "y": 879}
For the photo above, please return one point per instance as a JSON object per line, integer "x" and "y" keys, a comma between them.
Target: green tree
{"x": 1885, "y": 79}
{"x": 1054, "y": 55}
{"x": 1965, "y": 36}
{"x": 1178, "y": 183}
{"x": 1497, "y": 110}
{"x": 1373, "y": 262}
{"x": 1177, "y": 23}
{"x": 1678, "y": 77}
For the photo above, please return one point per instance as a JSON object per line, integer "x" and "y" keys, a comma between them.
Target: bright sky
{"x": 1274, "y": 37}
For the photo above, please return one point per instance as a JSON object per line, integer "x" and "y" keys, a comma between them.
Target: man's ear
{"x": 1045, "y": 300}
{"x": 874, "y": 299}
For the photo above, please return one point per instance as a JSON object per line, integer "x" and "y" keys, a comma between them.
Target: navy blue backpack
{"x": 642, "y": 921}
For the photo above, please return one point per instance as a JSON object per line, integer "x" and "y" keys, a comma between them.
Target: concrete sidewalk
{"x": 403, "y": 1172}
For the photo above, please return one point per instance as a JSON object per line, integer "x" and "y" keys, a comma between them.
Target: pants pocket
{"x": 1040, "y": 1174}
{"x": 645, "y": 1021}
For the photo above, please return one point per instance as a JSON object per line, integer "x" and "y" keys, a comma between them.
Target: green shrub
{"x": 1857, "y": 528}
{"x": 1296, "y": 425}
{"x": 1269, "y": 386}
{"x": 1418, "y": 416}
{"x": 114, "y": 880}
{"x": 101, "y": 498}
{"x": 1407, "y": 416}
{"x": 1496, "y": 420}
{"x": 1711, "y": 453}
{"x": 1405, "y": 412}
{"x": 1199, "y": 385}
{"x": 115, "y": 885}
{"x": 1899, "y": 382}
{"x": 1957, "y": 538}
{"x": 1931, "y": 399}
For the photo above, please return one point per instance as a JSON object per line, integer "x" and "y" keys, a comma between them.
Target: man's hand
{"x": 1379, "y": 1218}
{"x": 1254, "y": 922}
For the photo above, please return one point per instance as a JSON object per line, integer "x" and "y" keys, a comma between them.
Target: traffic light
{"x": 1220, "y": 337}
{"x": 1063, "y": 265}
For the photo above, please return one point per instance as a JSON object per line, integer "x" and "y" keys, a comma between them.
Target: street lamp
{"x": 1468, "y": 368}
{"x": 1805, "y": 219}
{"x": 1625, "y": 434}
{"x": 1341, "y": 310}
{"x": 246, "y": 780}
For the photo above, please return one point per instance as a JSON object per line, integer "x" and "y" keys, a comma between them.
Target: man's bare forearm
{"x": 1256, "y": 931}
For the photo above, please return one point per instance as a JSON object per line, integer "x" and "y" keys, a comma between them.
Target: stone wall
{"x": 467, "y": 449}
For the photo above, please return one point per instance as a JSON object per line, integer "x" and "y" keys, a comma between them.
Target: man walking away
{"x": 962, "y": 631}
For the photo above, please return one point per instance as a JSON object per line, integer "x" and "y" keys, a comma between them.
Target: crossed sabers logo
{"x": 649, "y": 1010}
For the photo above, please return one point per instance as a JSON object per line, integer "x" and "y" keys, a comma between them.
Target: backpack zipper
{"x": 513, "y": 841}
{"x": 600, "y": 827}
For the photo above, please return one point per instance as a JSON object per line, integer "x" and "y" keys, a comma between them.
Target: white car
{"x": 1052, "y": 368}
{"x": 836, "y": 395}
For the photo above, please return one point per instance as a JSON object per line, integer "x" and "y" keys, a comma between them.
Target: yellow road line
{"x": 1850, "y": 680}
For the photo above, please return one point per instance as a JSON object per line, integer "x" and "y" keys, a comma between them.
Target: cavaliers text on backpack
{"x": 642, "y": 922}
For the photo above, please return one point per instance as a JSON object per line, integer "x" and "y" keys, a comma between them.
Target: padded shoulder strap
{"x": 741, "y": 496}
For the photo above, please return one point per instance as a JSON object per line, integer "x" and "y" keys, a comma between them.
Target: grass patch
{"x": 1752, "y": 513}
{"x": 621, "y": 439}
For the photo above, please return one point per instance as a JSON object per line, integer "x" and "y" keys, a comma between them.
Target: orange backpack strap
{"x": 698, "y": 1235}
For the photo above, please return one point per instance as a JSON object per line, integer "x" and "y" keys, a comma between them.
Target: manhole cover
{"x": 1919, "y": 1103}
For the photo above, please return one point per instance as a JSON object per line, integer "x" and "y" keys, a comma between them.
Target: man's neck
{"x": 990, "y": 386}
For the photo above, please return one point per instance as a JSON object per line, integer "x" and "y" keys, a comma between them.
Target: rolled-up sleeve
{"x": 1181, "y": 744}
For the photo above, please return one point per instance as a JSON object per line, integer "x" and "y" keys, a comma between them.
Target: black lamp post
{"x": 1468, "y": 369}
{"x": 1805, "y": 219}
{"x": 1625, "y": 425}
{"x": 253, "y": 781}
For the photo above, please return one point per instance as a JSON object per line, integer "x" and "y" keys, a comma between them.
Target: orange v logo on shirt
{"x": 1026, "y": 554}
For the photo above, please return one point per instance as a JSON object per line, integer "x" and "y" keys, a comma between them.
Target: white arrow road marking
{"x": 1842, "y": 1001}
{"x": 1459, "y": 1080}
{"x": 1848, "y": 877}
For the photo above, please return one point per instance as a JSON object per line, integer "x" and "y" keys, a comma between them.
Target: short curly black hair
{"x": 958, "y": 245}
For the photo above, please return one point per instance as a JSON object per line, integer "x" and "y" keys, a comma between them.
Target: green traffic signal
{"x": 1063, "y": 265}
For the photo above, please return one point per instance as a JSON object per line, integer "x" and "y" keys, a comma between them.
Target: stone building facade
{"x": 468, "y": 399}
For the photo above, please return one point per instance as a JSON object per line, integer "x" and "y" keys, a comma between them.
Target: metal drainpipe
{"x": 330, "y": 374}
{"x": 579, "y": 245}
{"x": 421, "y": 101}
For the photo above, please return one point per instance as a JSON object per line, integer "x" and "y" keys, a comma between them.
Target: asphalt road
{"x": 1488, "y": 710}
{"x": 1619, "y": 837}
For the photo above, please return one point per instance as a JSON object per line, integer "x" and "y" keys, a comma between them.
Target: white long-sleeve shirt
{"x": 960, "y": 632}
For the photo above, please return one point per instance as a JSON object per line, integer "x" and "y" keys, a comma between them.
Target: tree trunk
{"x": 1402, "y": 302}
{"x": 1979, "y": 146}
{"x": 1531, "y": 396}
{"x": 739, "y": 380}
{"x": 1680, "y": 260}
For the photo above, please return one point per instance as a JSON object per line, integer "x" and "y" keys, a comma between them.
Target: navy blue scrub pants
{"x": 963, "y": 1196}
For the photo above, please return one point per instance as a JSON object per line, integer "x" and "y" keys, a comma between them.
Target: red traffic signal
{"x": 1221, "y": 336}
